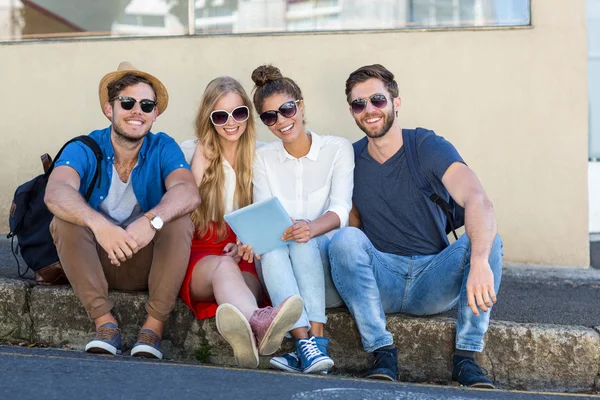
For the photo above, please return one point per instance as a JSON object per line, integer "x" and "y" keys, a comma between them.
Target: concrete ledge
{"x": 517, "y": 356}
{"x": 542, "y": 357}
{"x": 15, "y": 321}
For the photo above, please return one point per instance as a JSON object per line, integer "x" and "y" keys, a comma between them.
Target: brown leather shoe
{"x": 51, "y": 275}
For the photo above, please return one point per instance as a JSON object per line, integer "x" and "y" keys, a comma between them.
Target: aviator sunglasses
{"x": 287, "y": 109}
{"x": 220, "y": 117}
{"x": 127, "y": 103}
{"x": 359, "y": 105}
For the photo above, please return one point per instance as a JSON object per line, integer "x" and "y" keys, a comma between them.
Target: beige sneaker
{"x": 234, "y": 327}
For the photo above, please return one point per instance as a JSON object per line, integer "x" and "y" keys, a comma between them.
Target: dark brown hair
{"x": 269, "y": 81}
{"x": 367, "y": 72}
{"x": 116, "y": 87}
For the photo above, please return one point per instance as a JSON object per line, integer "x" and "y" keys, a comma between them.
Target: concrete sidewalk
{"x": 543, "y": 335}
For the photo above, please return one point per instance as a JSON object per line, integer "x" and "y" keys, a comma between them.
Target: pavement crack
{"x": 26, "y": 313}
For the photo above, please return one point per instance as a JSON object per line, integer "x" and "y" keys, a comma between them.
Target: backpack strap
{"x": 91, "y": 143}
{"x": 409, "y": 137}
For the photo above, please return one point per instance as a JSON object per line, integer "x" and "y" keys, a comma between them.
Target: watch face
{"x": 157, "y": 223}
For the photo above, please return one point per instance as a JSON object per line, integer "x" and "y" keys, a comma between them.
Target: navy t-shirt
{"x": 396, "y": 216}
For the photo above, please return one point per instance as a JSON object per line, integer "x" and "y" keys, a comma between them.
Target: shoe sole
{"x": 382, "y": 377}
{"x": 145, "y": 351}
{"x": 284, "y": 367}
{"x": 475, "y": 385}
{"x": 319, "y": 366}
{"x": 287, "y": 316}
{"x": 235, "y": 329}
{"x": 100, "y": 347}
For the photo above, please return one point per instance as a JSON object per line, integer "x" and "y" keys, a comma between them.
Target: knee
{"x": 181, "y": 227}
{"x": 463, "y": 242}
{"x": 496, "y": 254}
{"x": 303, "y": 250}
{"x": 498, "y": 244}
{"x": 274, "y": 257}
{"x": 347, "y": 243}
{"x": 59, "y": 228}
{"x": 227, "y": 264}
{"x": 347, "y": 239}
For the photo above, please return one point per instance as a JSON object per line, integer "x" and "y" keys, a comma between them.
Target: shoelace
{"x": 107, "y": 333}
{"x": 469, "y": 362}
{"x": 309, "y": 348}
{"x": 148, "y": 338}
{"x": 380, "y": 355}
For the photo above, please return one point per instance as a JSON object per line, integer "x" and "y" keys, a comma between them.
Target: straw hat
{"x": 162, "y": 97}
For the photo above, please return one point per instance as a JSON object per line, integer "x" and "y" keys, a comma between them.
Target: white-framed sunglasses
{"x": 220, "y": 117}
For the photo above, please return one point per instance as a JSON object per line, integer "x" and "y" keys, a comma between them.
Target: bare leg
{"x": 299, "y": 333}
{"x": 254, "y": 285}
{"x": 219, "y": 278}
{"x": 154, "y": 325}
{"x": 316, "y": 328}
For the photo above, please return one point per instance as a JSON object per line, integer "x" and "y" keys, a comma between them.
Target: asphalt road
{"x": 58, "y": 374}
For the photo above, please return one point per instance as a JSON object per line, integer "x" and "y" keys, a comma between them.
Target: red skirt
{"x": 208, "y": 246}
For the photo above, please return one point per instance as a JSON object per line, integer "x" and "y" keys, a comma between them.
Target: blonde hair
{"x": 212, "y": 186}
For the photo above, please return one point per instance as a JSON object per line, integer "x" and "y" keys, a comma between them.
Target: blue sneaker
{"x": 107, "y": 340}
{"x": 467, "y": 372}
{"x": 311, "y": 357}
{"x": 147, "y": 345}
{"x": 290, "y": 362}
{"x": 323, "y": 345}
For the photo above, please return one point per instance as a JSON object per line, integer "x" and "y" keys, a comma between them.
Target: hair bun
{"x": 265, "y": 74}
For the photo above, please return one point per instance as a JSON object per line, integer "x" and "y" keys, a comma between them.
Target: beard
{"x": 128, "y": 138}
{"x": 388, "y": 122}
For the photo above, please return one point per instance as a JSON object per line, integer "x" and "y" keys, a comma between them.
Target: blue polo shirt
{"x": 158, "y": 157}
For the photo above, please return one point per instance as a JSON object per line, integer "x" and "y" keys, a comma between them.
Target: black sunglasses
{"x": 127, "y": 103}
{"x": 287, "y": 109}
{"x": 220, "y": 117}
{"x": 359, "y": 105}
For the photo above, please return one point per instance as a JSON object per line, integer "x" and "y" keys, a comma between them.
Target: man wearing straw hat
{"x": 135, "y": 231}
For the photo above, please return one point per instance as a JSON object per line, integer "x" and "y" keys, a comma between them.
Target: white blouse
{"x": 309, "y": 186}
{"x": 189, "y": 148}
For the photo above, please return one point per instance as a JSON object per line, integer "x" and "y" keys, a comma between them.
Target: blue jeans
{"x": 373, "y": 283}
{"x": 302, "y": 269}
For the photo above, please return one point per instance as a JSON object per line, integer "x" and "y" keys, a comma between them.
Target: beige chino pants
{"x": 159, "y": 267}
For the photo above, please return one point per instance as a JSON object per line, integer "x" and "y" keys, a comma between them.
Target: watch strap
{"x": 149, "y": 215}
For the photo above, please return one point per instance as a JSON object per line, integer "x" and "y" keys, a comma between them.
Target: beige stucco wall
{"x": 514, "y": 102}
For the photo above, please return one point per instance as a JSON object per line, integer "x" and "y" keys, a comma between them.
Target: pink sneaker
{"x": 269, "y": 324}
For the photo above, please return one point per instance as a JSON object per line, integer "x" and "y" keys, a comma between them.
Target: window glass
{"x": 42, "y": 19}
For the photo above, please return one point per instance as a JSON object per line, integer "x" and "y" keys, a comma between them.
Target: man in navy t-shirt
{"x": 135, "y": 232}
{"x": 395, "y": 257}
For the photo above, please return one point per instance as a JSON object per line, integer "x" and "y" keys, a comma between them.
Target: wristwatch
{"x": 155, "y": 221}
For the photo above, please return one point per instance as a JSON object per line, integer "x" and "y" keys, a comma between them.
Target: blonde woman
{"x": 220, "y": 281}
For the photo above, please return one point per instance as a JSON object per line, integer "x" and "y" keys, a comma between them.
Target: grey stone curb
{"x": 517, "y": 356}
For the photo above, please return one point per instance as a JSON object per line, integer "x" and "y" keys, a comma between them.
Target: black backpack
{"x": 455, "y": 214}
{"x": 30, "y": 219}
